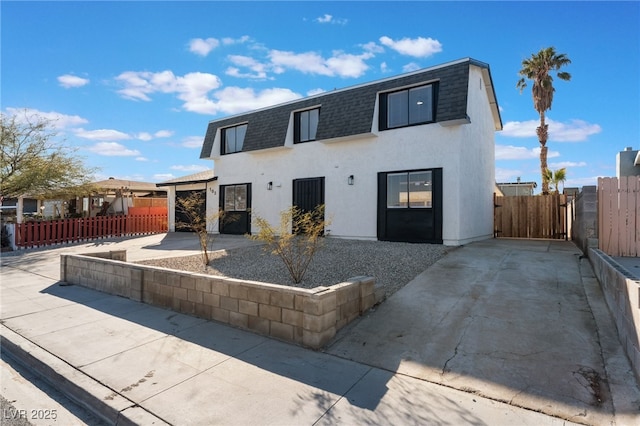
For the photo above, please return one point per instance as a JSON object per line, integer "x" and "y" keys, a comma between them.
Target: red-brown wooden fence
{"x": 43, "y": 233}
{"x": 619, "y": 216}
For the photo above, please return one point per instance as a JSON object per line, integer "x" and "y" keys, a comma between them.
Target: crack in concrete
{"x": 455, "y": 350}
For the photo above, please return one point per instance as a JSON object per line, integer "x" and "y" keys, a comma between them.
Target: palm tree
{"x": 537, "y": 68}
{"x": 555, "y": 178}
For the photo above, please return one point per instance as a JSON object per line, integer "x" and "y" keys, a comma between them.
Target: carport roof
{"x": 200, "y": 177}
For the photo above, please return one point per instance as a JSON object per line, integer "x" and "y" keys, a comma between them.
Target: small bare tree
{"x": 296, "y": 240}
{"x": 193, "y": 209}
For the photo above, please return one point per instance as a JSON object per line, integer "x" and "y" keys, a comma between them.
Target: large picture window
{"x": 306, "y": 125}
{"x": 233, "y": 138}
{"x": 409, "y": 190}
{"x": 407, "y": 107}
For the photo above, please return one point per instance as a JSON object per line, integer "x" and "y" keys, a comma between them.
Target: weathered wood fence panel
{"x": 619, "y": 216}
{"x": 532, "y": 216}
{"x": 43, "y": 233}
{"x": 149, "y": 202}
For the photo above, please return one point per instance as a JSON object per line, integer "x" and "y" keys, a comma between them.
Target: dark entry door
{"x": 235, "y": 201}
{"x": 410, "y": 206}
{"x": 195, "y": 202}
{"x": 308, "y": 193}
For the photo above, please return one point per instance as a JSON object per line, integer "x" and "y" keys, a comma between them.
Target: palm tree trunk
{"x": 542, "y": 132}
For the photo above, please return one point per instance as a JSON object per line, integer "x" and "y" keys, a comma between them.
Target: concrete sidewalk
{"x": 132, "y": 362}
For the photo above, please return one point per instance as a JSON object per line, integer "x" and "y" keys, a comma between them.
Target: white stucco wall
{"x": 477, "y": 164}
{"x": 465, "y": 152}
{"x": 211, "y": 188}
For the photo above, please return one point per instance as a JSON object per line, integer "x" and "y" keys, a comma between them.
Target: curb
{"x": 98, "y": 399}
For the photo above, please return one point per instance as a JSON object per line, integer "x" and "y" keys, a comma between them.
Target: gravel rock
{"x": 392, "y": 264}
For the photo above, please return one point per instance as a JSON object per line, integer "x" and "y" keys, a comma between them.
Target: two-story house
{"x": 408, "y": 158}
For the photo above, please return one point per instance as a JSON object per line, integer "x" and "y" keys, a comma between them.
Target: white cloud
{"x": 146, "y": 136}
{"x": 411, "y": 66}
{"x": 192, "y": 142}
{"x": 566, "y": 164}
{"x": 232, "y": 100}
{"x": 372, "y": 48}
{"x": 507, "y": 175}
{"x": 348, "y": 65}
{"x": 329, "y": 19}
{"x": 571, "y": 131}
{"x": 228, "y": 40}
{"x": 163, "y": 176}
{"x": 192, "y": 88}
{"x": 101, "y": 135}
{"x": 313, "y": 92}
{"x": 163, "y": 133}
{"x": 113, "y": 149}
{"x": 203, "y": 47}
{"x": 190, "y": 168}
{"x": 418, "y": 47}
{"x": 142, "y": 159}
{"x": 340, "y": 63}
{"x": 384, "y": 67}
{"x": 259, "y": 70}
{"x": 57, "y": 120}
{"x": 510, "y": 152}
{"x": 68, "y": 81}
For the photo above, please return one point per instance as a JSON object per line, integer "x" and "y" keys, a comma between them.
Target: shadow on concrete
{"x": 353, "y": 389}
{"x": 508, "y": 320}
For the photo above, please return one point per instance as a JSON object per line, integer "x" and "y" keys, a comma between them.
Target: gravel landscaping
{"x": 392, "y": 264}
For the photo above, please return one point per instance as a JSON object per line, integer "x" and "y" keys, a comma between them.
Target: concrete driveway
{"x": 518, "y": 321}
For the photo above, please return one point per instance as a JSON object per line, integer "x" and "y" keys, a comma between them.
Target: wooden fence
{"x": 619, "y": 216}
{"x": 44, "y": 233}
{"x": 531, "y": 216}
{"x": 149, "y": 202}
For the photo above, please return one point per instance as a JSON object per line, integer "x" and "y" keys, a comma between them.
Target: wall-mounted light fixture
{"x": 350, "y": 180}
{"x": 269, "y": 186}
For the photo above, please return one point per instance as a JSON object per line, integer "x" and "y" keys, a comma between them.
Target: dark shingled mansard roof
{"x": 350, "y": 111}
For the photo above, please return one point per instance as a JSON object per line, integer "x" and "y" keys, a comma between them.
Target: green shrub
{"x": 296, "y": 240}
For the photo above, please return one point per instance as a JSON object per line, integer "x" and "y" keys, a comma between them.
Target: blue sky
{"x": 132, "y": 85}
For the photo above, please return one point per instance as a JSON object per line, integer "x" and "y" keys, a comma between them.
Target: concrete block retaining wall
{"x": 310, "y": 317}
{"x": 622, "y": 294}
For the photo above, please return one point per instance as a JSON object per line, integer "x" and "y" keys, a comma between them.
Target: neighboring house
{"x": 113, "y": 196}
{"x": 10, "y": 207}
{"x": 407, "y": 158}
{"x": 628, "y": 163}
{"x": 182, "y": 187}
{"x": 510, "y": 189}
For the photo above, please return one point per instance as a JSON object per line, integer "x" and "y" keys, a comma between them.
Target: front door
{"x": 410, "y": 206}
{"x": 308, "y": 193}
{"x": 236, "y": 205}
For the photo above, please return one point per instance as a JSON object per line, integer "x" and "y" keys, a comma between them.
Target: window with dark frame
{"x": 233, "y": 138}
{"x": 306, "y": 125}
{"x": 407, "y": 107}
{"x": 410, "y": 189}
{"x": 235, "y": 198}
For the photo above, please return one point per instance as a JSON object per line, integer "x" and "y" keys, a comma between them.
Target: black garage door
{"x": 184, "y": 219}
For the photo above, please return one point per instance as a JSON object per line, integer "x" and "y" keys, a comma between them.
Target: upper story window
{"x": 306, "y": 125}
{"x": 407, "y": 107}
{"x": 233, "y": 138}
